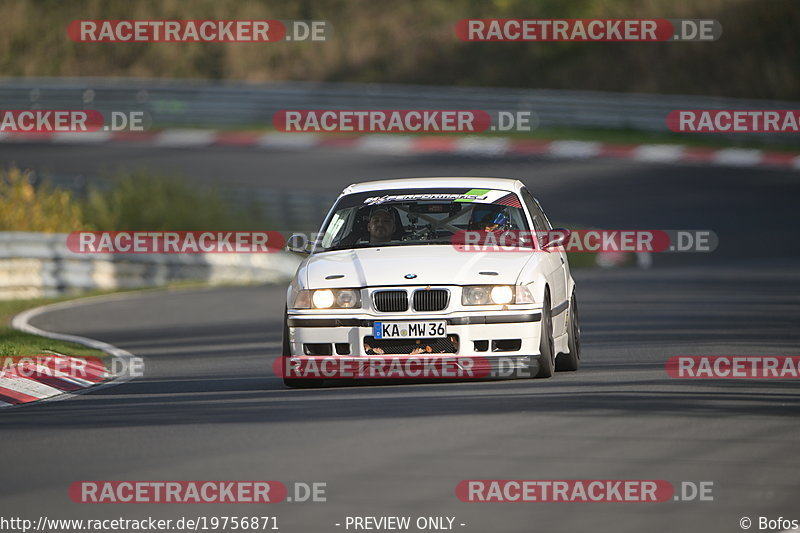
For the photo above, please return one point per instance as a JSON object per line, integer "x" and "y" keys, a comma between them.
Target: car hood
{"x": 432, "y": 265}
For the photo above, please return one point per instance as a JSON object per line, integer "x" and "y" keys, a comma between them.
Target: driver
{"x": 380, "y": 225}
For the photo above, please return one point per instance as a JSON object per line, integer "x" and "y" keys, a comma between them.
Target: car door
{"x": 555, "y": 261}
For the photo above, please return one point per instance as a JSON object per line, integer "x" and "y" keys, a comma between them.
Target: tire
{"x": 294, "y": 383}
{"x": 546, "y": 348}
{"x": 571, "y": 361}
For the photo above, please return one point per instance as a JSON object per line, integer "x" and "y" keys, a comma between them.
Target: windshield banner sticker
{"x": 482, "y": 196}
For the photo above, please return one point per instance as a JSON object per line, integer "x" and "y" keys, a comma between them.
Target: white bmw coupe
{"x": 416, "y": 267}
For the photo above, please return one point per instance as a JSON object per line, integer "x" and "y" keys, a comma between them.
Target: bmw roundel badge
{"x": 410, "y": 276}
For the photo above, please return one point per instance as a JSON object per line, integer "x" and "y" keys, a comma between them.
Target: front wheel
{"x": 572, "y": 360}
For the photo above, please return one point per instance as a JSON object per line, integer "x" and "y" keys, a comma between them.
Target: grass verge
{"x": 14, "y": 343}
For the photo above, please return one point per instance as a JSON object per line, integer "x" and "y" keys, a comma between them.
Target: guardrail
{"x": 34, "y": 265}
{"x": 231, "y": 104}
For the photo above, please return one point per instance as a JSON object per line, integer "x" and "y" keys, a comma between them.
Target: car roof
{"x": 504, "y": 184}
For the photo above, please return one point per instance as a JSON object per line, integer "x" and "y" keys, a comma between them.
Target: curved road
{"x": 209, "y": 408}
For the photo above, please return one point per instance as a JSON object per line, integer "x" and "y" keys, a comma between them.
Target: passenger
{"x": 489, "y": 219}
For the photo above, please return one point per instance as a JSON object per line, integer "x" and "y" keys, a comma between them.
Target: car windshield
{"x": 418, "y": 217}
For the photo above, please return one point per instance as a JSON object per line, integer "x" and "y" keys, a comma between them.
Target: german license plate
{"x": 428, "y": 329}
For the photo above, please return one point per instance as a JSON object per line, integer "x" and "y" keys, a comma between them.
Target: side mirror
{"x": 555, "y": 238}
{"x": 299, "y": 244}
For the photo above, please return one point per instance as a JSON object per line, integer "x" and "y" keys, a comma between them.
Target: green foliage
{"x": 136, "y": 201}
{"x": 139, "y": 201}
{"x": 43, "y": 208}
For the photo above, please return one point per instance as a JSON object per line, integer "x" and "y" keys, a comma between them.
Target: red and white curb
{"x": 41, "y": 383}
{"x": 427, "y": 144}
{"x": 38, "y": 377}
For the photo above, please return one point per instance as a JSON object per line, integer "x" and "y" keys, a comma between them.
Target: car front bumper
{"x": 498, "y": 334}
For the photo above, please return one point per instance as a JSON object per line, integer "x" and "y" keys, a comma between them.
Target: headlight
{"x": 475, "y": 295}
{"x": 323, "y": 299}
{"x": 502, "y": 294}
{"x": 347, "y": 299}
{"x": 495, "y": 295}
{"x": 327, "y": 299}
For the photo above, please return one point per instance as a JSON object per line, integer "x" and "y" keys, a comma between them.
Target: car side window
{"x": 540, "y": 224}
{"x": 546, "y": 221}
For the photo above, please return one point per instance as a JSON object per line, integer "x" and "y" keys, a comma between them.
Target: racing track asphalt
{"x": 209, "y": 408}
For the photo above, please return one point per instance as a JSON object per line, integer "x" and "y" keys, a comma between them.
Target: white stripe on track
{"x": 21, "y": 322}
